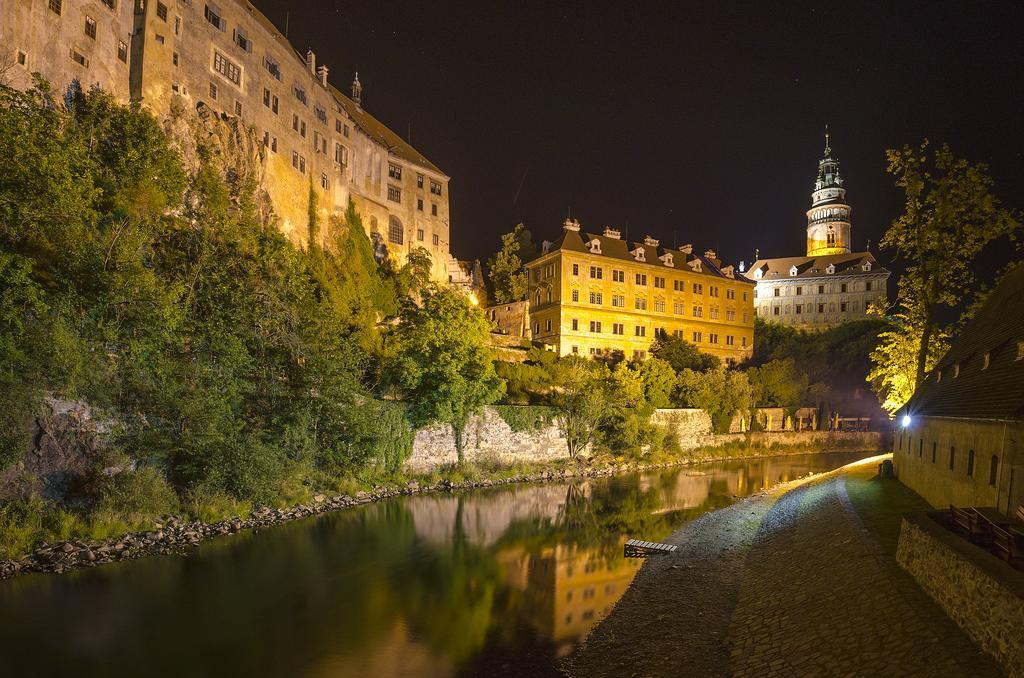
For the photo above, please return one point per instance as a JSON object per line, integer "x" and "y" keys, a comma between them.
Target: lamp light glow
{"x": 906, "y": 420}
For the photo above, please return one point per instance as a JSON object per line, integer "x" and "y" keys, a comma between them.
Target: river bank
{"x": 176, "y": 534}
{"x": 797, "y": 580}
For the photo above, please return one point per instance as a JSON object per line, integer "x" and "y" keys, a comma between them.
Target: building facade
{"x": 831, "y": 284}
{"x": 599, "y": 296}
{"x": 180, "y": 56}
{"x": 960, "y": 438}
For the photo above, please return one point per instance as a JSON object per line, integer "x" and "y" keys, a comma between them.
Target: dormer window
{"x": 830, "y": 269}
{"x": 758, "y": 273}
{"x": 938, "y": 376}
{"x": 792, "y": 270}
{"x": 985, "y": 360}
{"x": 867, "y": 266}
{"x": 956, "y": 370}
{"x": 639, "y": 254}
{"x": 595, "y": 246}
{"x": 668, "y": 260}
{"x": 1020, "y": 350}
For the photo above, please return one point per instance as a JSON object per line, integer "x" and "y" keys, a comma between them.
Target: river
{"x": 498, "y": 581}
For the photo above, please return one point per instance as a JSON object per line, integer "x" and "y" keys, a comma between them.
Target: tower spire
{"x": 828, "y": 220}
{"x": 828, "y": 147}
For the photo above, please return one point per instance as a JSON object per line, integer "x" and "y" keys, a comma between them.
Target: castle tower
{"x": 828, "y": 220}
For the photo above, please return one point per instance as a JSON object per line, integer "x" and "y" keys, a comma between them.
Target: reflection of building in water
{"x": 570, "y": 590}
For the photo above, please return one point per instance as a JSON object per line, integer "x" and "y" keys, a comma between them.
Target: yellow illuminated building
{"x": 599, "y": 296}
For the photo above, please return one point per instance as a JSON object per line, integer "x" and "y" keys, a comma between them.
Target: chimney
{"x": 571, "y": 225}
{"x": 311, "y": 61}
{"x": 357, "y": 91}
{"x": 322, "y": 72}
{"x": 710, "y": 254}
{"x": 650, "y": 242}
{"x": 610, "y": 232}
{"x": 686, "y": 249}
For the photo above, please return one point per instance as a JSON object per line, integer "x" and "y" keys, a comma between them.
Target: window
{"x": 238, "y": 108}
{"x": 395, "y": 231}
{"x": 821, "y": 308}
{"x": 640, "y": 304}
{"x": 970, "y": 463}
{"x": 618, "y": 328}
{"x": 659, "y": 306}
{"x": 213, "y": 16}
{"x": 659, "y": 282}
{"x": 777, "y": 291}
{"x": 713, "y": 291}
{"x": 618, "y": 301}
{"x": 90, "y": 27}
{"x": 298, "y": 162}
{"x": 993, "y": 470}
{"x": 344, "y": 131}
{"x": 79, "y": 58}
{"x": 419, "y": 181}
{"x": 394, "y": 194}
{"x": 821, "y": 289}
{"x": 640, "y": 331}
{"x": 596, "y": 272}
{"x": 395, "y": 171}
{"x": 159, "y": 39}
{"x": 596, "y": 298}
{"x": 842, "y": 307}
{"x": 641, "y": 278}
{"x": 712, "y": 338}
{"x": 161, "y": 11}
{"x": 842, "y": 287}
{"x": 174, "y": 59}
{"x": 325, "y": 183}
{"x": 225, "y": 67}
{"x": 536, "y": 328}
{"x": 618, "y": 276}
{"x": 1020, "y": 350}
{"x": 319, "y": 143}
{"x": 436, "y": 241}
{"x": 547, "y": 325}
{"x": 799, "y": 290}
{"x": 272, "y": 67}
{"x": 270, "y": 141}
{"x": 300, "y": 94}
{"x": 177, "y": 25}
{"x": 698, "y": 311}
{"x": 698, "y": 288}
{"x": 730, "y": 340}
{"x": 243, "y": 41}
{"x": 576, "y": 295}
{"x": 743, "y": 342}
{"x": 952, "y": 458}
{"x": 419, "y": 204}
{"x": 775, "y": 310}
{"x": 920, "y": 448}
{"x": 575, "y": 324}
{"x": 935, "y": 451}
{"x": 799, "y": 309}
{"x": 122, "y": 51}
{"x": 696, "y": 337}
{"x": 433, "y": 209}
{"x": 213, "y": 91}
{"x": 730, "y": 294}
{"x": 435, "y": 187}
{"x": 867, "y": 286}
{"x": 341, "y": 157}
{"x": 595, "y": 326}
{"x": 575, "y": 269}
{"x": 677, "y": 308}
{"x": 985, "y": 360}
{"x": 56, "y": 6}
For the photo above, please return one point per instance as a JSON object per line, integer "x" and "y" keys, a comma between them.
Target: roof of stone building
{"x": 654, "y": 254}
{"x": 373, "y": 128}
{"x": 975, "y": 391}
{"x": 815, "y": 267}
{"x": 383, "y": 135}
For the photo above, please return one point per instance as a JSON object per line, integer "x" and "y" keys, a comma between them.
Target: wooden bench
{"x": 1020, "y": 515}
{"x": 635, "y": 548}
{"x": 969, "y": 523}
{"x": 1008, "y": 544}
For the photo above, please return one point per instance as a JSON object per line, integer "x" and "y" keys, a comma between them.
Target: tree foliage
{"x": 950, "y": 217}
{"x": 719, "y": 392}
{"x": 442, "y": 363}
{"x": 505, "y": 269}
{"x": 777, "y": 383}
{"x": 681, "y": 354}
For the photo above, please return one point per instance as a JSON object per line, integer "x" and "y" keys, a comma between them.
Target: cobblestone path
{"x": 788, "y": 587}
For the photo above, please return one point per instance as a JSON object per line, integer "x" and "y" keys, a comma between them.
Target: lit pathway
{"x": 779, "y": 586}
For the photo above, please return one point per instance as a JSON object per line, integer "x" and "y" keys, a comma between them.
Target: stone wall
{"x": 490, "y": 438}
{"x": 982, "y": 594}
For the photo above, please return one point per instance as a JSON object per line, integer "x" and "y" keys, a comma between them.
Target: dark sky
{"x": 699, "y": 118}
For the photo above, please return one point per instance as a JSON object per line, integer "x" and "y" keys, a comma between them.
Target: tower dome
{"x": 828, "y": 220}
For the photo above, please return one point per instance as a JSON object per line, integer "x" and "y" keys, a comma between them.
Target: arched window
{"x": 549, "y": 295}
{"x": 395, "y": 232}
{"x": 993, "y": 470}
{"x": 970, "y": 463}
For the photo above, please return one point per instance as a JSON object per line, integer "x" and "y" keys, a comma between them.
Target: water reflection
{"x": 486, "y": 581}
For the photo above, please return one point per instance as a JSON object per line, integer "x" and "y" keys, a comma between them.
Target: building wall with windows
{"x": 598, "y": 296}
{"x": 228, "y": 56}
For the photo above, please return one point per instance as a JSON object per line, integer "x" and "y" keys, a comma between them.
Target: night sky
{"x": 698, "y": 121}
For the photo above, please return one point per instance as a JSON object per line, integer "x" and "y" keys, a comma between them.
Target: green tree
{"x": 950, "y": 216}
{"x": 582, "y": 400}
{"x": 681, "y": 354}
{"x": 659, "y": 382}
{"x": 777, "y": 383}
{"x": 442, "y": 363}
{"x": 895, "y": 358}
{"x": 505, "y": 269}
{"x": 719, "y": 392}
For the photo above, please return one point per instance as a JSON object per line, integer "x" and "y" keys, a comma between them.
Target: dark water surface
{"x": 500, "y": 581}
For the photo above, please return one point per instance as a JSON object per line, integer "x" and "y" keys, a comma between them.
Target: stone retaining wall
{"x": 981, "y": 593}
{"x": 490, "y": 438}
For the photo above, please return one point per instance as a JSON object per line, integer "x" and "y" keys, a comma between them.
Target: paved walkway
{"x": 788, "y": 587}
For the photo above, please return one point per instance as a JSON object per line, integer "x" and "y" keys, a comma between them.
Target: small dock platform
{"x": 635, "y": 548}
